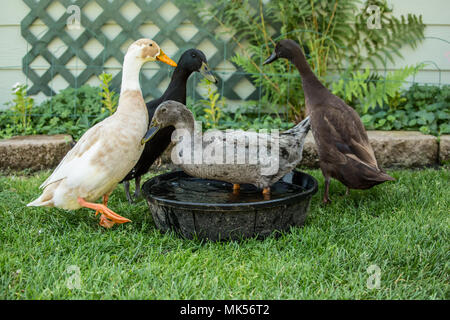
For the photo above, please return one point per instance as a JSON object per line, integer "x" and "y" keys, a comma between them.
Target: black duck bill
{"x": 154, "y": 128}
{"x": 206, "y": 72}
{"x": 271, "y": 59}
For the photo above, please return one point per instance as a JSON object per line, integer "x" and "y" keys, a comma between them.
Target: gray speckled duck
{"x": 236, "y": 157}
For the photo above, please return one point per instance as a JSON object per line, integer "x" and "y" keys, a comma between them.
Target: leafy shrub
{"x": 421, "y": 107}
{"x": 245, "y": 117}
{"x": 364, "y": 91}
{"x": 334, "y": 35}
{"x": 71, "y": 111}
{"x": 20, "y": 108}
{"x": 8, "y": 127}
{"x": 254, "y": 122}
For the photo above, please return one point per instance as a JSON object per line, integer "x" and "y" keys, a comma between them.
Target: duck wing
{"x": 86, "y": 142}
{"x": 340, "y": 127}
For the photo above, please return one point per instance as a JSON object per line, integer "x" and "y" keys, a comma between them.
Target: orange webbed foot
{"x": 105, "y": 222}
{"x": 108, "y": 217}
{"x": 266, "y": 193}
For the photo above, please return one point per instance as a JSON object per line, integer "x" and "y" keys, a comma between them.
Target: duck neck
{"x": 130, "y": 75}
{"x": 309, "y": 80}
{"x": 187, "y": 122}
{"x": 177, "y": 87}
{"x": 131, "y": 101}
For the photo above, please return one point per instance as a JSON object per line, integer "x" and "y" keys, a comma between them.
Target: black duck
{"x": 190, "y": 61}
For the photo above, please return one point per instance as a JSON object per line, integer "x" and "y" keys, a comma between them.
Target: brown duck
{"x": 344, "y": 149}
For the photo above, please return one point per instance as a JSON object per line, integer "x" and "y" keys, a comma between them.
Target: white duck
{"x": 109, "y": 150}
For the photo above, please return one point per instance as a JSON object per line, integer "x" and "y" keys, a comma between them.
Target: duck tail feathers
{"x": 35, "y": 203}
{"x": 303, "y": 126}
{"x": 385, "y": 177}
{"x": 378, "y": 176}
{"x": 39, "y": 203}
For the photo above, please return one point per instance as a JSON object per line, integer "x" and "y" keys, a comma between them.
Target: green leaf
{"x": 391, "y": 118}
{"x": 441, "y": 115}
{"x": 444, "y": 128}
{"x": 425, "y": 129}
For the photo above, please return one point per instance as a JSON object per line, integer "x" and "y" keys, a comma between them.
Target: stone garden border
{"x": 393, "y": 149}
{"x": 33, "y": 152}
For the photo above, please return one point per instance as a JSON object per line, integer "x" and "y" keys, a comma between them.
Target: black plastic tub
{"x": 209, "y": 209}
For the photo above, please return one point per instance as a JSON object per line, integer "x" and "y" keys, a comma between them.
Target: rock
{"x": 404, "y": 149}
{"x": 444, "y": 149}
{"x": 400, "y": 149}
{"x": 33, "y": 152}
{"x": 393, "y": 149}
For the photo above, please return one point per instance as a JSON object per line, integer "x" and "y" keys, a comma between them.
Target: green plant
{"x": 255, "y": 122}
{"x": 332, "y": 33}
{"x": 109, "y": 98}
{"x": 214, "y": 103}
{"x": 8, "y": 128}
{"x": 421, "y": 107}
{"x": 245, "y": 117}
{"x": 71, "y": 111}
{"x": 358, "y": 90}
{"x": 21, "y": 106}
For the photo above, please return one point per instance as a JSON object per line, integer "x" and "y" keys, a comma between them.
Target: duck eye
{"x": 151, "y": 44}
{"x": 194, "y": 55}
{"x": 163, "y": 110}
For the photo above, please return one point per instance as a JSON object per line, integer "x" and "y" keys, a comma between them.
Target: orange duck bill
{"x": 164, "y": 58}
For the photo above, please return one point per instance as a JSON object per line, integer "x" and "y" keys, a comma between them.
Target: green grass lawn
{"x": 401, "y": 227}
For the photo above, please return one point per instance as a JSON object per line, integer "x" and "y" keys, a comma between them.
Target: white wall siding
{"x": 433, "y": 51}
{"x": 13, "y": 47}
